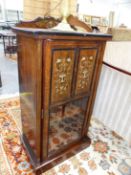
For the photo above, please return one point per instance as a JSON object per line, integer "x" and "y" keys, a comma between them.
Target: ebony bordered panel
{"x": 86, "y": 64}
{"x": 62, "y": 74}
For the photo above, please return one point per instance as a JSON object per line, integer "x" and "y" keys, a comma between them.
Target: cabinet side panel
{"x": 30, "y": 71}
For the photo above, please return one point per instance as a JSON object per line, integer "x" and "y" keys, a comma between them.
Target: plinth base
{"x": 55, "y": 159}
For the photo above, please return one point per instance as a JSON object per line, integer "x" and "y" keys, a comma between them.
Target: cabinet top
{"x": 45, "y": 33}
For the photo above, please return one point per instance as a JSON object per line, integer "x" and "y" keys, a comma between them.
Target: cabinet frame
{"x": 42, "y": 42}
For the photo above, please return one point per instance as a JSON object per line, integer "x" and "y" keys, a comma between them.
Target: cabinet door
{"x": 86, "y": 64}
{"x": 62, "y": 72}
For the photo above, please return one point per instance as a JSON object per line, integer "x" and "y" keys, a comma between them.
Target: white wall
{"x": 118, "y": 54}
{"x": 96, "y": 7}
{"x": 122, "y": 9}
{"x": 14, "y": 4}
{"x": 123, "y": 13}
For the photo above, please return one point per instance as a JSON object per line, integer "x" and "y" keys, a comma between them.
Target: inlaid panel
{"x": 86, "y": 63}
{"x": 62, "y": 71}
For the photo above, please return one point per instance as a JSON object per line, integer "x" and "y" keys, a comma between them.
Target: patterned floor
{"x": 108, "y": 153}
{"x": 65, "y": 127}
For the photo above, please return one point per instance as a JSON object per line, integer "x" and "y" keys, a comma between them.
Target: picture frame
{"x": 95, "y": 21}
{"x": 87, "y": 19}
{"x": 104, "y": 21}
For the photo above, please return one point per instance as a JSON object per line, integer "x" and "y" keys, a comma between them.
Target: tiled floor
{"x": 9, "y": 75}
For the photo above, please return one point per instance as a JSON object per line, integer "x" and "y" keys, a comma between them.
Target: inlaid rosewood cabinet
{"x": 58, "y": 77}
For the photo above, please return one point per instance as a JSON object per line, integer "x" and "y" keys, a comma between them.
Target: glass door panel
{"x": 65, "y": 124}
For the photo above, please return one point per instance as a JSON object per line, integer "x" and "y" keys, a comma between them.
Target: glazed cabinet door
{"x": 70, "y": 67}
{"x": 58, "y": 69}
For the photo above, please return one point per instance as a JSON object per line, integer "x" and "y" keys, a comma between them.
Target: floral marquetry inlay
{"x": 63, "y": 66}
{"x": 63, "y": 62}
{"x": 85, "y": 70}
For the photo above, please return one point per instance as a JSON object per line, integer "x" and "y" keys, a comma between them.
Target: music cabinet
{"x": 58, "y": 77}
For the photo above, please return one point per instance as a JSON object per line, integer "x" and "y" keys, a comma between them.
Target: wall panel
{"x": 33, "y": 8}
{"x": 113, "y": 101}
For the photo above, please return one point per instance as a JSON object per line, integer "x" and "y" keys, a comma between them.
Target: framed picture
{"x": 95, "y": 21}
{"x": 104, "y": 21}
{"x": 87, "y": 19}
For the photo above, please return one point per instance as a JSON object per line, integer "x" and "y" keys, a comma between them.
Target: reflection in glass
{"x": 66, "y": 123}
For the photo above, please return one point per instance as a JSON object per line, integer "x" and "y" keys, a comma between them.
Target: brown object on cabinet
{"x": 58, "y": 76}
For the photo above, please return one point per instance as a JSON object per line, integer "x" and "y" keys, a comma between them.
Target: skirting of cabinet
{"x": 75, "y": 148}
